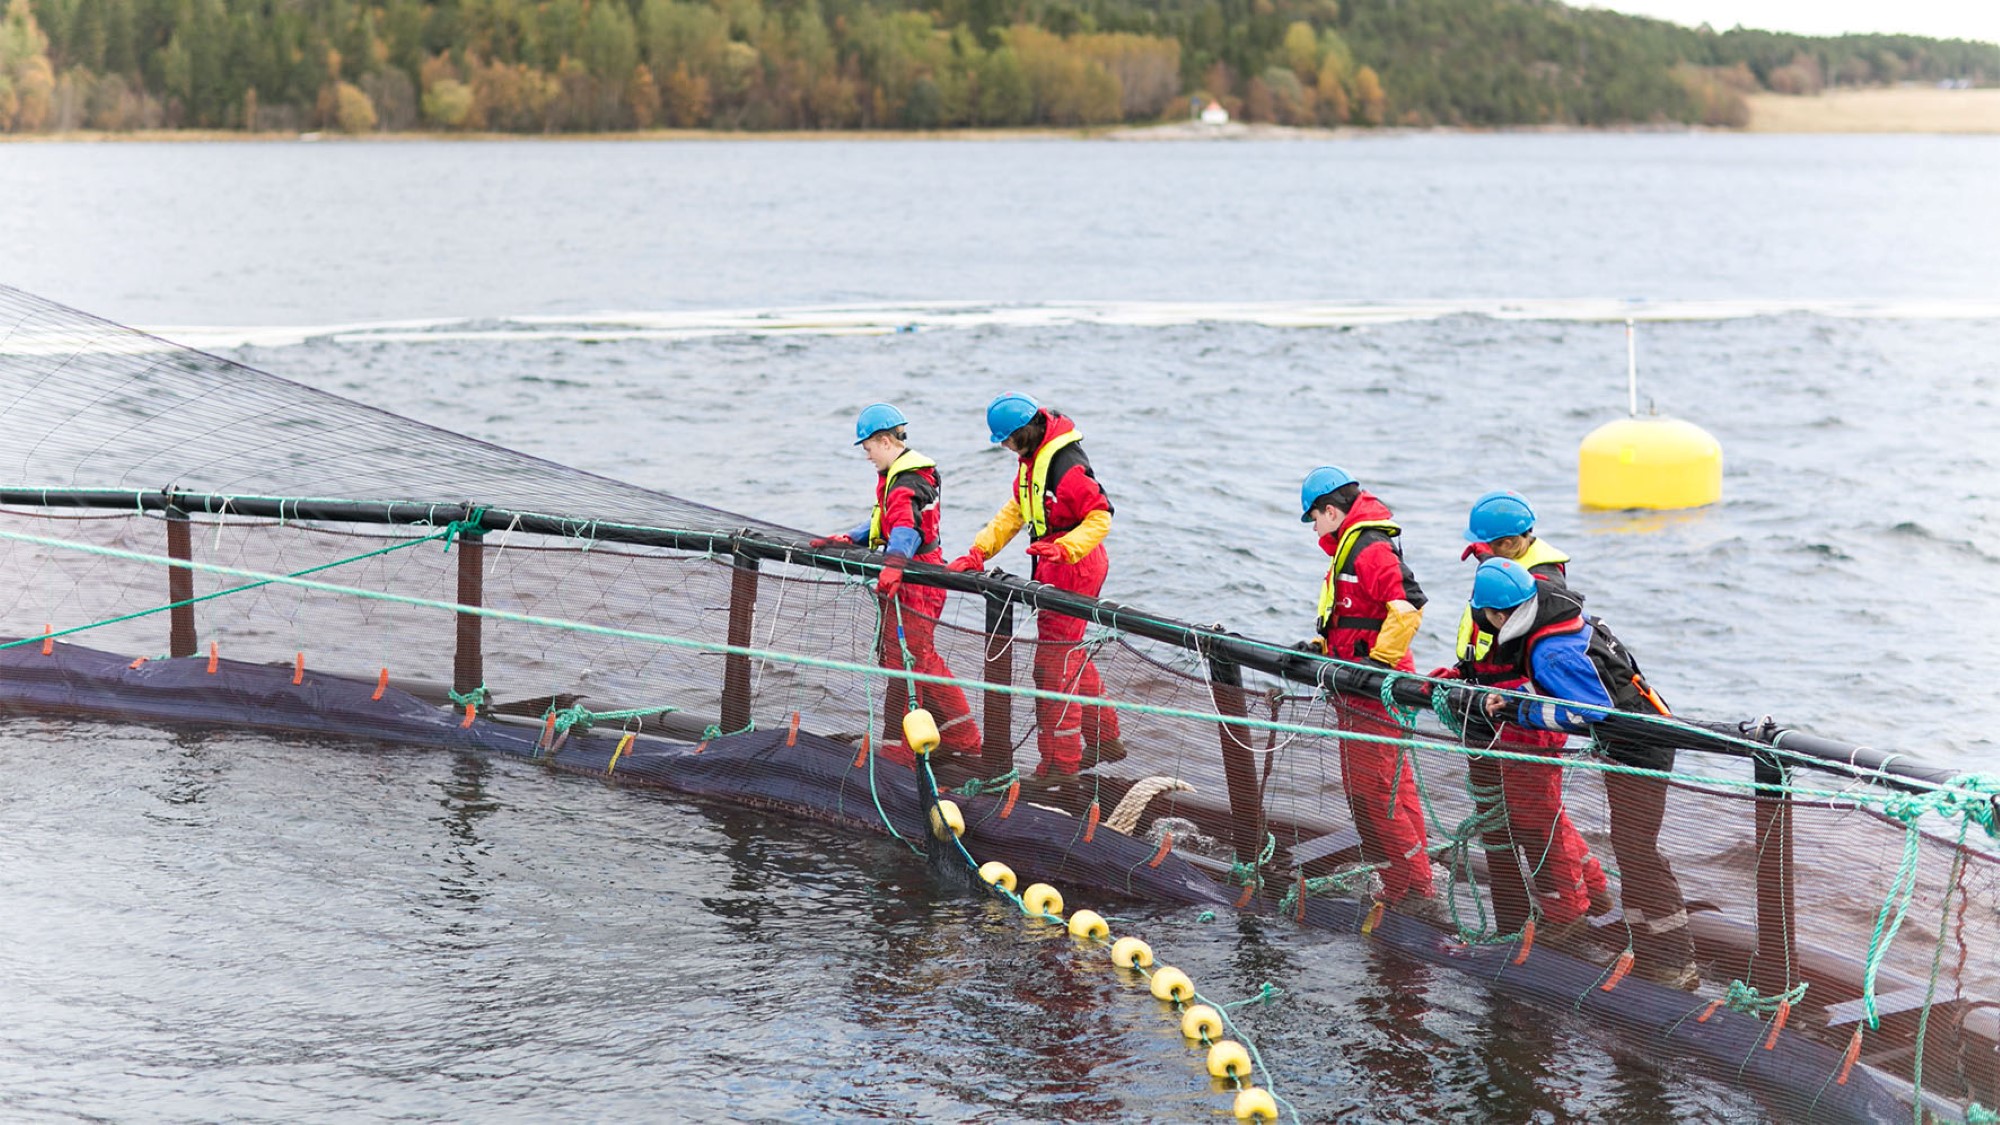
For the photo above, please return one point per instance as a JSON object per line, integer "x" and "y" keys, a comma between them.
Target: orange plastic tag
{"x": 1618, "y": 970}
{"x": 1527, "y": 941}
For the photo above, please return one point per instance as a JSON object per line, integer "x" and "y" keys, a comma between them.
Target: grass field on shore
{"x": 1902, "y": 110}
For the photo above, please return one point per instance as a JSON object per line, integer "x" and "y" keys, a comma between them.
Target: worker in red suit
{"x": 1058, "y": 500}
{"x": 1569, "y": 882}
{"x": 904, "y": 523}
{"x": 1369, "y": 609}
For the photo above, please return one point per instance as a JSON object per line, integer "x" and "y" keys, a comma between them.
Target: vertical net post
{"x": 468, "y": 664}
{"x": 181, "y": 639}
{"x": 1239, "y": 765}
{"x": 736, "y": 669}
{"x": 996, "y": 755}
{"x": 1776, "y": 969}
{"x": 1511, "y": 900}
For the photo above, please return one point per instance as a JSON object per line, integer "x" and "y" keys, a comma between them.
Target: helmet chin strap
{"x": 1519, "y": 619}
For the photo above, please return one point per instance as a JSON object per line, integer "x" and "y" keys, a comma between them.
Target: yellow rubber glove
{"x": 1399, "y": 628}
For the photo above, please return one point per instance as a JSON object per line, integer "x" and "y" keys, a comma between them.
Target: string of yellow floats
{"x": 1229, "y": 1060}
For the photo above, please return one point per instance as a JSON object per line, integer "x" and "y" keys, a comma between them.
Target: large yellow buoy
{"x": 1647, "y": 461}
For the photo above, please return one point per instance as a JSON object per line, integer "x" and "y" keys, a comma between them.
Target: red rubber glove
{"x": 891, "y": 578}
{"x": 973, "y": 560}
{"x": 1448, "y": 672}
{"x": 831, "y": 541}
{"x": 1048, "y": 550}
{"x": 1480, "y": 551}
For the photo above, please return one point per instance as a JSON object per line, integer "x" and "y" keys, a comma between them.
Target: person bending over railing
{"x": 1587, "y": 672}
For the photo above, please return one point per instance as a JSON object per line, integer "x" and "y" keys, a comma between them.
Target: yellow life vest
{"x": 910, "y": 459}
{"x": 1473, "y": 641}
{"x": 1031, "y": 485}
{"x": 1327, "y": 597}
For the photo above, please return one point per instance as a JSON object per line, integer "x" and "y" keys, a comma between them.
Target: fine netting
{"x": 339, "y": 559}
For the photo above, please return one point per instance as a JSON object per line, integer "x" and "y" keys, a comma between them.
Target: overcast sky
{"x": 1946, "y": 19}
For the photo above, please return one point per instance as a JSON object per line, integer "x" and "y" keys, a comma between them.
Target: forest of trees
{"x": 361, "y": 66}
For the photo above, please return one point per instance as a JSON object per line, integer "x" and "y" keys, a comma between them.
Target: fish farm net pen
{"x": 189, "y": 541}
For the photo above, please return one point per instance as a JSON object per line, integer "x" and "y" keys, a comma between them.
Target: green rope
{"x": 1937, "y": 959}
{"x": 470, "y": 525}
{"x": 978, "y": 788}
{"x": 1743, "y": 998}
{"x": 720, "y": 543}
{"x": 1346, "y": 882}
{"x": 266, "y": 581}
{"x": 1976, "y": 1114}
{"x": 1406, "y": 717}
{"x": 1441, "y": 707}
{"x": 713, "y": 731}
{"x": 1252, "y": 874}
{"x": 1266, "y": 993}
{"x": 1966, "y": 795}
{"x": 478, "y": 697}
{"x": 1969, "y": 800}
{"x": 583, "y": 719}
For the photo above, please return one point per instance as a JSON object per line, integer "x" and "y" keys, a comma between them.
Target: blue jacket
{"x": 1561, "y": 667}
{"x": 902, "y": 540}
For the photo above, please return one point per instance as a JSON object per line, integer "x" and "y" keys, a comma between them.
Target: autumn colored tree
{"x": 541, "y": 65}
{"x": 1371, "y": 104}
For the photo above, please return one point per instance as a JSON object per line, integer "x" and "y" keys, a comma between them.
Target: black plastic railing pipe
{"x": 1886, "y": 767}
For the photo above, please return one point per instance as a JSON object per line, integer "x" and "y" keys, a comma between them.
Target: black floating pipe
{"x": 1882, "y": 766}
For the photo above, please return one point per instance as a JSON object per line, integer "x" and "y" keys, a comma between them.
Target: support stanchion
{"x": 736, "y": 669}
{"x": 1777, "y": 966}
{"x": 181, "y": 639}
{"x": 1239, "y": 764}
{"x": 468, "y": 664}
{"x": 996, "y": 755}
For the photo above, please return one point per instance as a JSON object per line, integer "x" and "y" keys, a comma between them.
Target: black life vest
{"x": 1558, "y": 612}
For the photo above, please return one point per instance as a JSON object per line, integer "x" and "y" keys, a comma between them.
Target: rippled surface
{"x": 203, "y": 927}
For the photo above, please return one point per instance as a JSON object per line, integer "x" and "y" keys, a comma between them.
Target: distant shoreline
{"x": 1917, "y": 110}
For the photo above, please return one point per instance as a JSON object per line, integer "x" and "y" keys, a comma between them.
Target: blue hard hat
{"x": 1318, "y": 483}
{"x": 874, "y": 419}
{"x": 1008, "y": 413}
{"x": 1498, "y": 514}
{"x": 1501, "y": 584}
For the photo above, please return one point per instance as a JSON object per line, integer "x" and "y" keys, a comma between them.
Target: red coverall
{"x": 913, "y": 502}
{"x": 1566, "y": 874}
{"x": 1075, "y": 515}
{"x": 1380, "y": 783}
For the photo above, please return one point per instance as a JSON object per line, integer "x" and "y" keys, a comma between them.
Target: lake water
{"x": 230, "y": 927}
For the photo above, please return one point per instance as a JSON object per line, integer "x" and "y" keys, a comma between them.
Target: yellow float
{"x": 1201, "y": 1023}
{"x": 947, "y": 819}
{"x": 1254, "y": 1104}
{"x": 1131, "y": 953}
{"x": 1647, "y": 462}
{"x": 1040, "y": 899}
{"x": 1171, "y": 984}
{"x": 920, "y": 732}
{"x": 1089, "y": 925}
{"x": 1228, "y": 1059}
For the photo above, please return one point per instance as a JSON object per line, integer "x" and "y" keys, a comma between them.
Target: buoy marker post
{"x": 1647, "y": 462}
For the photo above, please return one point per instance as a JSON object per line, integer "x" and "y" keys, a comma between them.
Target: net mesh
{"x": 1276, "y": 791}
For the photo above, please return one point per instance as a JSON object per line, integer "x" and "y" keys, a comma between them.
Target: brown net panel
{"x": 1792, "y": 885}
